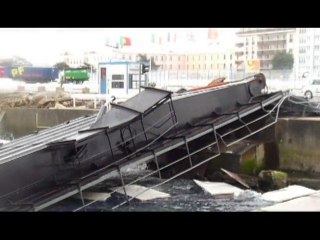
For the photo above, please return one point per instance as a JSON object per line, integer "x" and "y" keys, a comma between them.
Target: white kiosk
{"x": 122, "y": 78}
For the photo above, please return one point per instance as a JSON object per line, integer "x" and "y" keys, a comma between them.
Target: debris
{"x": 219, "y": 189}
{"x": 287, "y": 193}
{"x": 59, "y": 106}
{"x": 308, "y": 203}
{"x": 272, "y": 180}
{"x": 235, "y": 177}
{"x": 94, "y": 196}
{"x": 142, "y": 193}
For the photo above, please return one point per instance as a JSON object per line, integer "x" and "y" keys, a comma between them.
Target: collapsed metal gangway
{"x": 144, "y": 129}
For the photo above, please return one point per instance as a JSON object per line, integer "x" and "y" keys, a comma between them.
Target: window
{"x": 316, "y": 82}
{"x": 117, "y": 81}
{"x": 117, "y": 77}
{"x": 117, "y": 85}
{"x": 134, "y": 81}
{"x": 302, "y": 50}
{"x": 302, "y": 30}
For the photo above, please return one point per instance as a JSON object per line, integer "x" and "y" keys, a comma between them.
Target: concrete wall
{"x": 21, "y": 121}
{"x": 299, "y": 143}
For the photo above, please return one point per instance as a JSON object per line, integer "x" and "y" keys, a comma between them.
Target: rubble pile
{"x": 42, "y": 100}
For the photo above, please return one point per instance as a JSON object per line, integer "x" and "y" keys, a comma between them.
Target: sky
{"x": 43, "y": 46}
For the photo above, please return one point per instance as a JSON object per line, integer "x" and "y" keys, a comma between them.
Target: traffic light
{"x": 144, "y": 68}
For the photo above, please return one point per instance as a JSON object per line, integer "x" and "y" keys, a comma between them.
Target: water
{"x": 186, "y": 196}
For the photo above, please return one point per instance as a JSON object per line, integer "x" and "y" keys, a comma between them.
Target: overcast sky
{"x": 43, "y": 46}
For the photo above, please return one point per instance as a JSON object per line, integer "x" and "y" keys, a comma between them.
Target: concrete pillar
{"x": 298, "y": 140}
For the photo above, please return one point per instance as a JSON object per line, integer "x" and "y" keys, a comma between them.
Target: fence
{"x": 276, "y": 79}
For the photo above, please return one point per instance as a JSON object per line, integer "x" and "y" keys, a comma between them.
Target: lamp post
{"x": 150, "y": 60}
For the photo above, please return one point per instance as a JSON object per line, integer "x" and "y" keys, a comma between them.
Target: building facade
{"x": 308, "y": 51}
{"x": 216, "y": 60}
{"x": 262, "y": 44}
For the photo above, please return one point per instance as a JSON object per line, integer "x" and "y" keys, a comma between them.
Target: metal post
{"x": 140, "y": 77}
{"x": 123, "y": 185}
{"x": 144, "y": 131}
{"x": 216, "y": 138}
{"x": 81, "y": 196}
{"x": 132, "y": 139}
{"x": 157, "y": 163}
{"x": 188, "y": 151}
{"x": 110, "y": 146}
{"x": 150, "y": 61}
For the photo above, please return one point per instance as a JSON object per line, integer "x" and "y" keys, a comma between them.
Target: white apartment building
{"x": 263, "y": 44}
{"x": 308, "y": 51}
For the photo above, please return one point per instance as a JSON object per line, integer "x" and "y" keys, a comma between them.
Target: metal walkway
{"x": 60, "y": 162}
{"x": 219, "y": 130}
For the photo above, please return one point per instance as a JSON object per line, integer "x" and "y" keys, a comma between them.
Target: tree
{"x": 61, "y": 66}
{"x": 143, "y": 57}
{"x": 282, "y": 60}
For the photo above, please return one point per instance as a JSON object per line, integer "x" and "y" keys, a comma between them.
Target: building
{"x": 212, "y": 60}
{"x": 308, "y": 51}
{"x": 262, "y": 44}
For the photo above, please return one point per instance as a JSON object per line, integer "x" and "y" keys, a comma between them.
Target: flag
{"x": 190, "y": 37}
{"x": 125, "y": 41}
{"x": 108, "y": 42}
{"x": 160, "y": 40}
{"x": 212, "y": 33}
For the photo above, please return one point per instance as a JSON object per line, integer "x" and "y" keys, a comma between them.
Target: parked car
{"x": 312, "y": 89}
